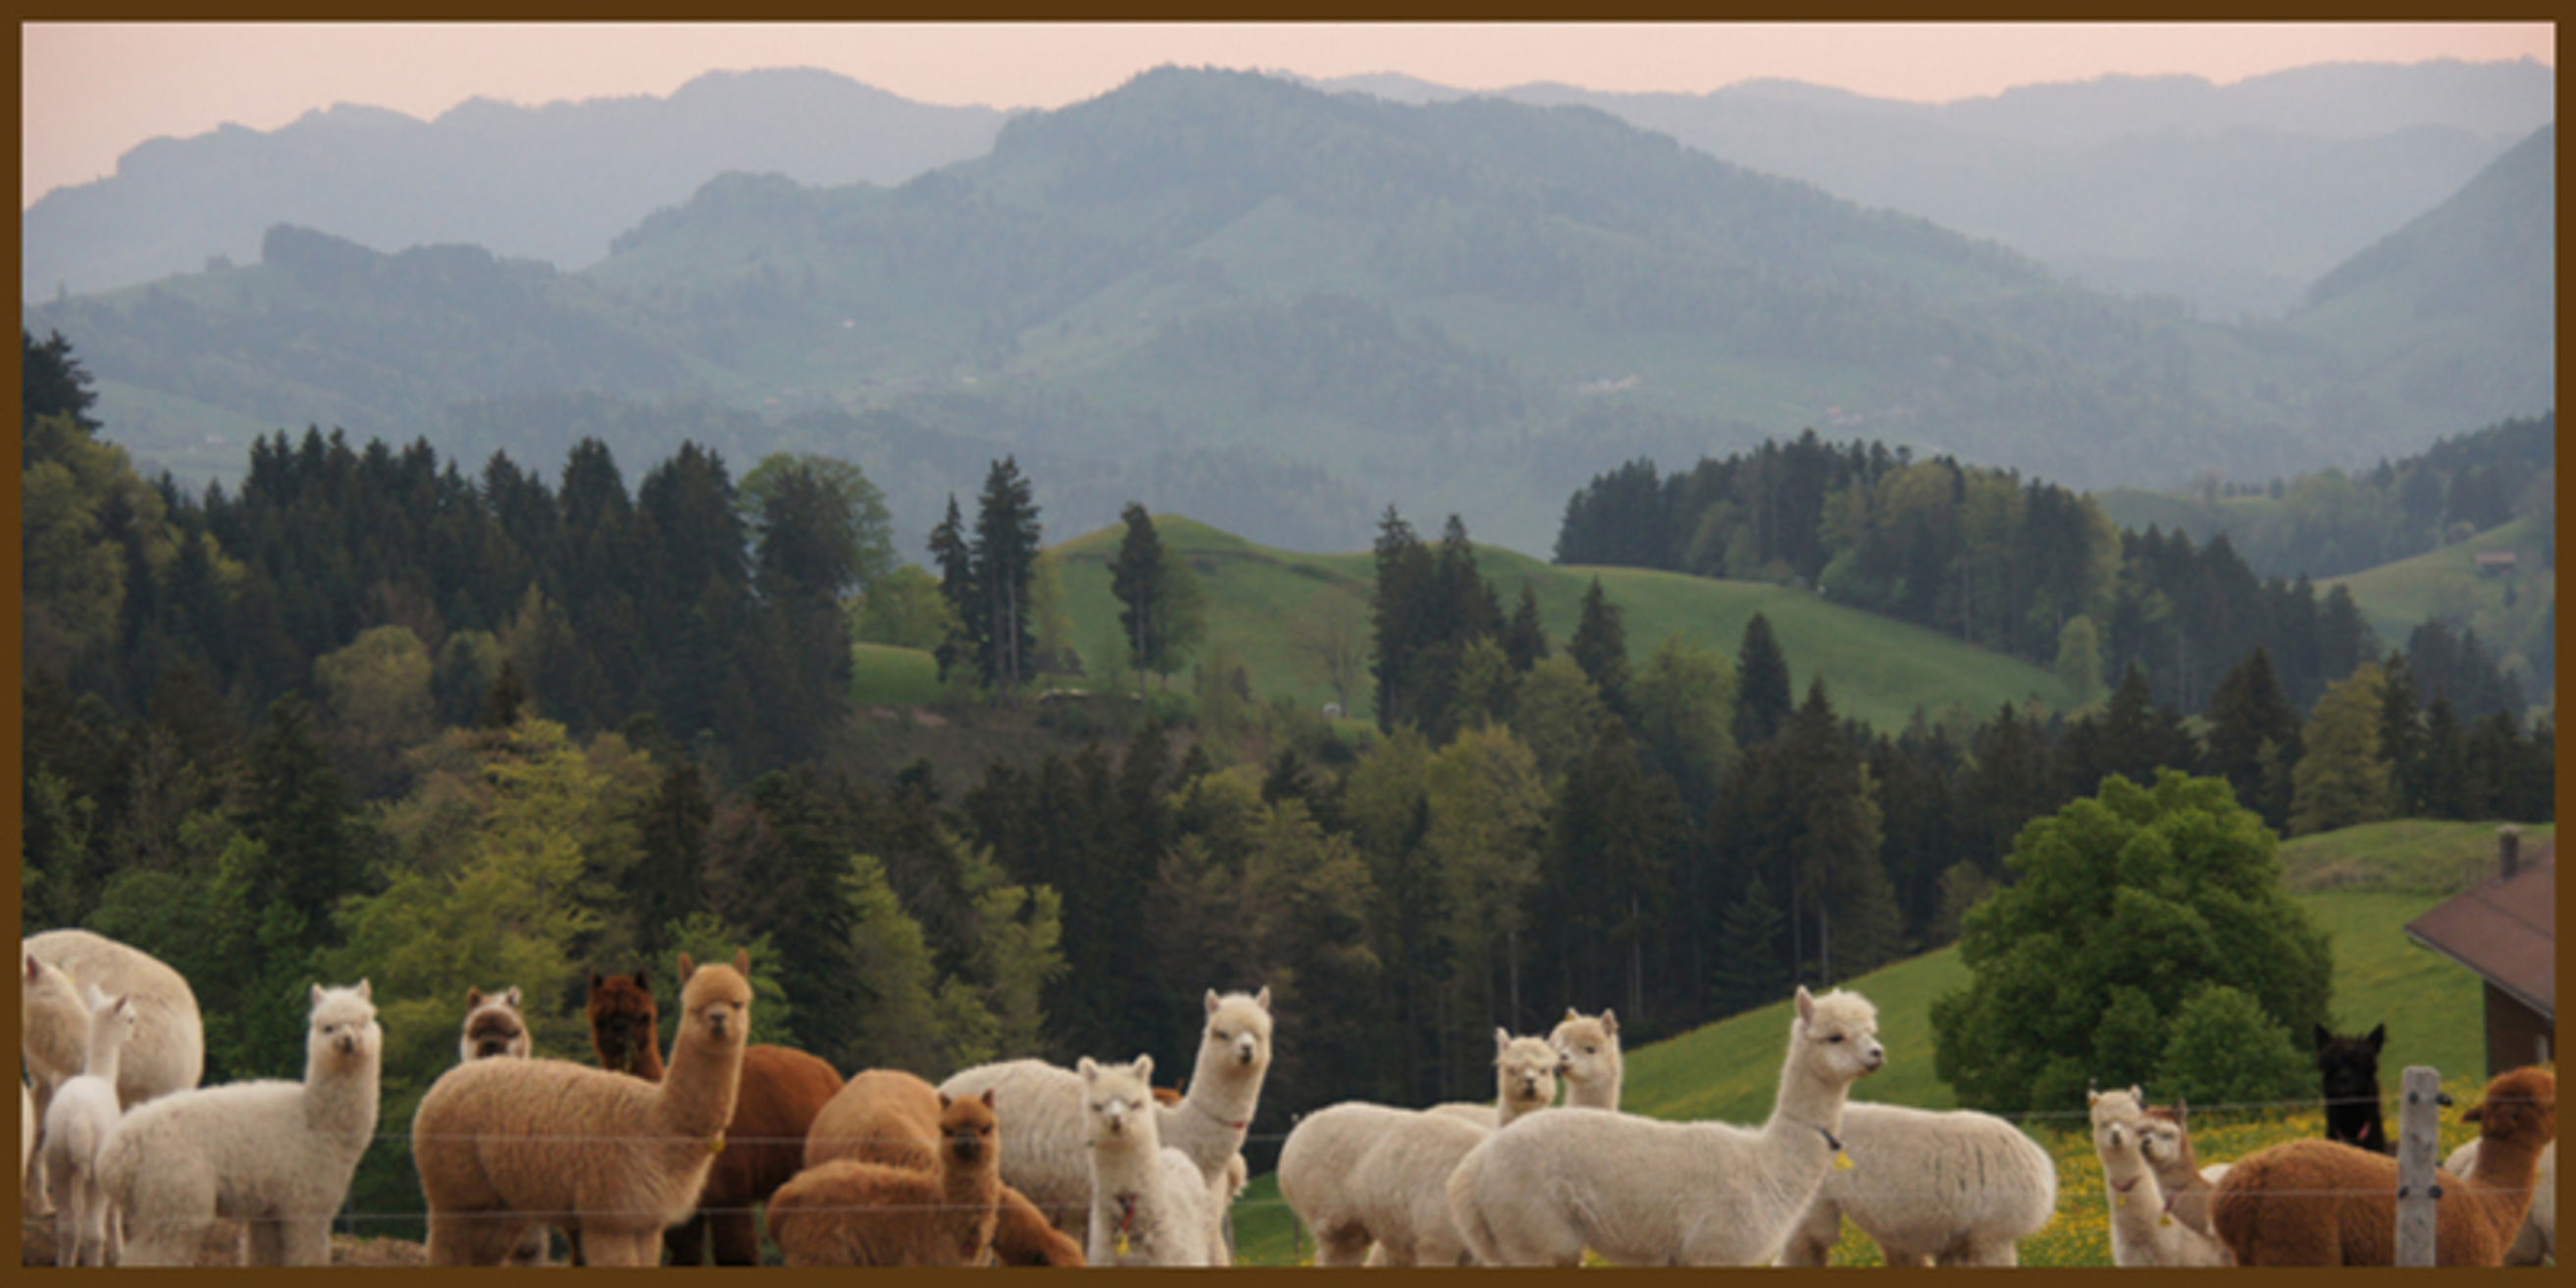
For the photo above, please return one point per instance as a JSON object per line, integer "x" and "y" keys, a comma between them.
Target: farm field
{"x": 1876, "y": 669}
{"x": 2396, "y": 597}
{"x": 2381, "y": 876}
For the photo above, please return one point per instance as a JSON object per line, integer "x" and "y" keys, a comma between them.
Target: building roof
{"x": 2505, "y": 930}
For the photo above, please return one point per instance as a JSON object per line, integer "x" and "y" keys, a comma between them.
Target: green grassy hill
{"x": 2395, "y": 598}
{"x": 2381, "y": 876}
{"x": 1876, "y": 669}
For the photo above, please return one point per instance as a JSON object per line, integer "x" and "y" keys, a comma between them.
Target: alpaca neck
{"x": 106, "y": 1049}
{"x": 1506, "y": 1109}
{"x": 967, "y": 1195}
{"x": 2137, "y": 1200}
{"x": 2189, "y": 1203}
{"x": 2500, "y": 1183}
{"x": 1801, "y": 1139}
{"x": 1209, "y": 1123}
{"x": 698, "y": 1089}
{"x": 340, "y": 1097}
{"x": 1810, "y": 1096}
{"x": 1129, "y": 1163}
{"x": 1597, "y": 1093}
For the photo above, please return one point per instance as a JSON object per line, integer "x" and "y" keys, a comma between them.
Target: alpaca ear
{"x": 944, "y": 1102}
{"x": 512, "y": 997}
{"x": 2092, "y": 1096}
{"x": 473, "y": 998}
{"x": 1262, "y": 998}
{"x": 317, "y": 995}
{"x": 2379, "y": 1036}
{"x": 2323, "y": 1037}
{"x": 365, "y": 991}
{"x": 988, "y": 1097}
{"x": 1610, "y": 1022}
{"x": 1806, "y": 1004}
{"x": 687, "y": 968}
{"x": 34, "y": 971}
{"x": 742, "y": 962}
{"x": 1145, "y": 1068}
{"x": 597, "y": 979}
{"x": 1089, "y": 1068}
{"x": 1571, "y": 1015}
{"x": 1211, "y": 1001}
{"x": 2139, "y": 1094}
{"x": 1502, "y": 1042}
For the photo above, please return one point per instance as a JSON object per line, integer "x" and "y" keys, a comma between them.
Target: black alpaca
{"x": 2351, "y": 1069}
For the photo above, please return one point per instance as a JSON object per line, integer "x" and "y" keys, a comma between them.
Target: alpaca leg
{"x": 687, "y": 1241}
{"x": 1343, "y": 1246}
{"x": 67, "y": 1234}
{"x": 304, "y": 1241}
{"x": 267, "y": 1242}
{"x": 94, "y": 1220}
{"x": 471, "y": 1238}
{"x": 737, "y": 1237}
{"x": 1993, "y": 1252}
{"x": 39, "y": 1199}
{"x": 1812, "y": 1239}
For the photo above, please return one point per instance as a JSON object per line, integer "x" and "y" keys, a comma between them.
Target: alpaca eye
{"x": 1835, "y": 1038}
{"x": 1219, "y": 1034}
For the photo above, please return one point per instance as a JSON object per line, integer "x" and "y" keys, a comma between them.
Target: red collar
{"x": 1126, "y": 1211}
{"x": 2133, "y": 1184}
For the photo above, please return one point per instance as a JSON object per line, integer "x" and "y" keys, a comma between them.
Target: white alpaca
{"x": 275, "y": 1155}
{"x": 2143, "y": 1233}
{"x": 83, "y": 1112}
{"x": 2538, "y": 1240}
{"x": 1150, "y": 1204}
{"x": 1951, "y": 1189}
{"x": 493, "y": 1026}
{"x": 166, "y": 1054}
{"x": 1043, "y": 1130}
{"x": 1525, "y": 1072}
{"x": 1642, "y": 1192}
{"x": 1360, "y": 1175}
{"x": 1592, "y": 1068}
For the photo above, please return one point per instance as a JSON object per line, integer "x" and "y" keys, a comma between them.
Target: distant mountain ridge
{"x": 553, "y": 182}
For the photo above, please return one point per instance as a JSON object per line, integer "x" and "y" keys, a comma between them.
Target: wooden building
{"x": 2506, "y": 930}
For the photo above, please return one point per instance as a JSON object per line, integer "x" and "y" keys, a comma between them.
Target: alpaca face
{"x": 1526, "y": 1069}
{"x": 624, "y": 1020}
{"x": 1841, "y": 1032}
{"x": 2165, "y": 1141}
{"x": 2350, "y": 1066}
{"x": 111, "y": 1022}
{"x": 344, "y": 1034}
{"x": 1587, "y": 1046}
{"x": 1118, "y": 1100}
{"x": 2116, "y": 1106}
{"x": 2521, "y": 1105}
{"x": 493, "y": 1026}
{"x": 1238, "y": 1031}
{"x": 966, "y": 1128}
{"x": 2116, "y": 1143}
{"x": 716, "y": 1002}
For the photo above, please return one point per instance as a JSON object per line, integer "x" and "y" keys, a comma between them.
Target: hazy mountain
{"x": 553, "y": 183}
{"x": 2230, "y": 197}
{"x": 1470, "y": 306}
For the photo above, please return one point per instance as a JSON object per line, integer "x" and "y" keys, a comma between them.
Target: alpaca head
{"x": 1237, "y": 1037}
{"x": 344, "y": 1036}
{"x": 111, "y": 1022}
{"x": 624, "y": 1020}
{"x": 2350, "y": 1066}
{"x": 2117, "y": 1142}
{"x": 1525, "y": 1070}
{"x": 966, "y": 1132}
{"x": 2116, "y": 1106}
{"x": 493, "y": 1025}
{"x": 1837, "y": 1035}
{"x": 2164, "y": 1136}
{"x": 1118, "y": 1102}
{"x": 2520, "y": 1106}
{"x": 715, "y": 1002}
{"x": 1587, "y": 1046}
{"x": 44, "y": 984}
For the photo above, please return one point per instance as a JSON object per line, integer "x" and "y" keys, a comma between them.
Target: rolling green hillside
{"x": 1875, "y": 669}
{"x": 2396, "y": 597}
{"x": 1729, "y": 1071}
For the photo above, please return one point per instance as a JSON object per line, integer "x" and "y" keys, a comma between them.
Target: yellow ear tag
{"x": 1122, "y": 1243}
{"x": 1842, "y": 1161}
{"x": 2166, "y": 1220}
{"x": 715, "y": 1143}
{"x": 2123, "y": 1200}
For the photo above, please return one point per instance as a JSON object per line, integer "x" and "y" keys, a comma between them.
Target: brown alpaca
{"x": 505, "y": 1145}
{"x": 2320, "y": 1203}
{"x": 2166, "y": 1144}
{"x": 782, "y": 1090}
{"x": 891, "y": 1118}
{"x": 853, "y": 1213}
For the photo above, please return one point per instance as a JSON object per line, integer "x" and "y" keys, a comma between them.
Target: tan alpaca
{"x": 2164, "y": 1135}
{"x": 503, "y": 1145}
{"x": 889, "y": 1117}
{"x": 495, "y": 1030}
{"x": 2143, "y": 1232}
{"x": 2323, "y": 1203}
{"x": 852, "y": 1213}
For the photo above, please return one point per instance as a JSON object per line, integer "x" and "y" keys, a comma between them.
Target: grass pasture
{"x": 882, "y": 675}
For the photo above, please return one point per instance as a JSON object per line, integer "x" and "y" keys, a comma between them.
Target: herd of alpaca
{"x": 1026, "y": 1163}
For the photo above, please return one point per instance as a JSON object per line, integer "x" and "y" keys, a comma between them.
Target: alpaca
{"x": 853, "y": 1213}
{"x": 1949, "y": 1189}
{"x": 1151, "y": 1204}
{"x": 1592, "y": 1064}
{"x": 493, "y": 1025}
{"x": 779, "y": 1093}
{"x": 891, "y": 1118}
{"x": 2323, "y": 1203}
{"x": 494, "y": 1029}
{"x": 277, "y": 1156}
{"x": 624, "y": 1025}
{"x": 168, "y": 1050}
{"x": 83, "y": 1112}
{"x": 1525, "y": 1072}
{"x": 1361, "y": 1174}
{"x": 502, "y": 1145}
{"x": 2164, "y": 1136}
{"x": 2538, "y": 1239}
{"x": 1042, "y": 1135}
{"x": 2143, "y": 1232}
{"x": 2350, "y": 1068}
{"x": 1642, "y": 1192}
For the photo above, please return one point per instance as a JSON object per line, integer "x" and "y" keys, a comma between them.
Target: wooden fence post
{"x": 2419, "y": 1132}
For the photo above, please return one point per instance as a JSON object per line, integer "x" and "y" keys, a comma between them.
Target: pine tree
{"x": 2401, "y": 736}
{"x": 1749, "y": 973}
{"x": 1600, "y": 647}
{"x": 1525, "y": 636}
{"x": 956, "y": 559}
{"x": 2248, "y": 713}
{"x": 1398, "y": 610}
{"x": 1762, "y": 699}
{"x": 1136, "y": 579}
{"x": 1005, "y": 553}
{"x": 670, "y": 871}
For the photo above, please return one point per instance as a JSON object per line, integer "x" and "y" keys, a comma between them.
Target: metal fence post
{"x": 2419, "y": 1130}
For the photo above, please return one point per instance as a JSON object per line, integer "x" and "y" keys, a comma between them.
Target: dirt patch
{"x": 222, "y": 1247}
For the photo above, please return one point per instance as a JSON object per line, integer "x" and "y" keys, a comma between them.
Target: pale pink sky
{"x": 93, "y": 90}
